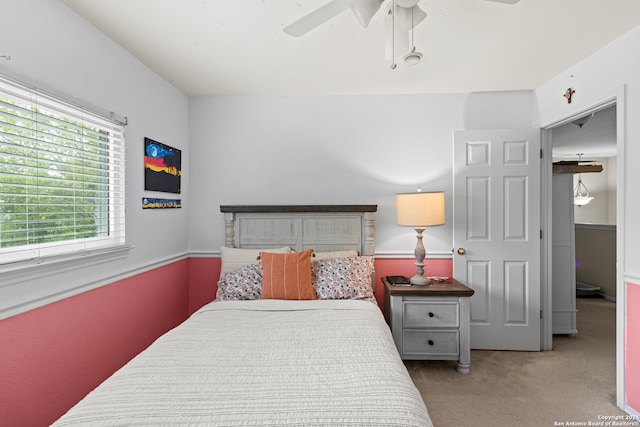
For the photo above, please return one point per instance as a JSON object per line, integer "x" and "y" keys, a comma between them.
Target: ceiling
{"x": 237, "y": 47}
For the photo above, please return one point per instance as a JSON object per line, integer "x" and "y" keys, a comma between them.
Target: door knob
{"x": 461, "y": 251}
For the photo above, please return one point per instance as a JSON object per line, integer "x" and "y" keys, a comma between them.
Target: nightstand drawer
{"x": 430, "y": 314}
{"x": 443, "y": 343}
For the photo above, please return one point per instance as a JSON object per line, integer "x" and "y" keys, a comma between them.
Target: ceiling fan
{"x": 363, "y": 11}
{"x": 401, "y": 17}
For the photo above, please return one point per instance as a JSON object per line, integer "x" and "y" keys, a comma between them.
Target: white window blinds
{"x": 61, "y": 177}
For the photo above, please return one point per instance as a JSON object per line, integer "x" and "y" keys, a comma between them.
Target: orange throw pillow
{"x": 287, "y": 276}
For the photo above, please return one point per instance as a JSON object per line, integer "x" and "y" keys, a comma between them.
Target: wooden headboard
{"x": 323, "y": 228}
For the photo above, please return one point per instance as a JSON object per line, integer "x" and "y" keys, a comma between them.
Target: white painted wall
{"x": 53, "y": 48}
{"x": 334, "y": 150}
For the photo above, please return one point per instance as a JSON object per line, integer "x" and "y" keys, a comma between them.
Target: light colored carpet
{"x": 573, "y": 383}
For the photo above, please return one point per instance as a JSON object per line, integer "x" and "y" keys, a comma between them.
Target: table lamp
{"x": 420, "y": 210}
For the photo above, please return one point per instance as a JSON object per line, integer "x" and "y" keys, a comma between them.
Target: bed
{"x": 248, "y": 359}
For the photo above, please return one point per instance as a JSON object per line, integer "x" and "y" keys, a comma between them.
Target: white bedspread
{"x": 263, "y": 363}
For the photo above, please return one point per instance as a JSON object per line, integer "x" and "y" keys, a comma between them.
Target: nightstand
{"x": 430, "y": 322}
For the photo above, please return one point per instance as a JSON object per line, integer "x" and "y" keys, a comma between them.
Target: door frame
{"x": 614, "y": 97}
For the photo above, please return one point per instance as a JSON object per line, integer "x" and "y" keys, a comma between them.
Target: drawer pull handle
{"x": 431, "y": 314}
{"x": 430, "y": 342}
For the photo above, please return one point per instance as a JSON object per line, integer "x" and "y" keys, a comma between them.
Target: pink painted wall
{"x": 632, "y": 350}
{"x": 407, "y": 267}
{"x": 203, "y": 281}
{"x": 52, "y": 356}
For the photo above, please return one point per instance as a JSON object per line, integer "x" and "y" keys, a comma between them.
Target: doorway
{"x": 615, "y": 105}
{"x": 584, "y": 155}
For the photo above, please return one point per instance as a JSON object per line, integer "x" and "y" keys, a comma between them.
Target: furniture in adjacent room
{"x": 563, "y": 285}
{"x": 431, "y": 322}
{"x": 596, "y": 260}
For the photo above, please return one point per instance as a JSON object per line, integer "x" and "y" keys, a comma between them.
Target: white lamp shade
{"x": 420, "y": 209}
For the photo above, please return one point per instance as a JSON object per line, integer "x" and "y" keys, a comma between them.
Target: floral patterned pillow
{"x": 343, "y": 278}
{"x": 335, "y": 278}
{"x": 244, "y": 283}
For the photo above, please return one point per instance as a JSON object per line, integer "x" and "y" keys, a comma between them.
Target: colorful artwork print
{"x": 162, "y": 167}
{"x": 152, "y": 203}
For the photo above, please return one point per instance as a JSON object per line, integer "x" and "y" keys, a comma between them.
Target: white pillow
{"x": 235, "y": 258}
{"x": 337, "y": 254}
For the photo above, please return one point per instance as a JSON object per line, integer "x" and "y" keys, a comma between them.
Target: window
{"x": 61, "y": 177}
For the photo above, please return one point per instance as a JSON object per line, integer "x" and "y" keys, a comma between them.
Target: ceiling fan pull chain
{"x": 393, "y": 35}
{"x": 413, "y": 46}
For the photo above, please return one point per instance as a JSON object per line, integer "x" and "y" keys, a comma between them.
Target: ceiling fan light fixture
{"x": 412, "y": 58}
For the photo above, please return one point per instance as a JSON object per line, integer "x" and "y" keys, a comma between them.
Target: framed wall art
{"x": 154, "y": 203}
{"x": 162, "y": 167}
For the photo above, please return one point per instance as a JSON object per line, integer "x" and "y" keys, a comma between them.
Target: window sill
{"x": 20, "y": 289}
{"x": 36, "y": 268}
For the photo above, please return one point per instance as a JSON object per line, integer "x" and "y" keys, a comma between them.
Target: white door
{"x": 496, "y": 208}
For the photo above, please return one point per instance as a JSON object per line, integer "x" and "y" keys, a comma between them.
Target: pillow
{"x": 343, "y": 278}
{"x": 234, "y": 258}
{"x": 287, "y": 276}
{"x": 244, "y": 283}
{"x": 336, "y": 254}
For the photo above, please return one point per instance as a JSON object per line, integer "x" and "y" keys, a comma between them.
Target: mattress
{"x": 263, "y": 363}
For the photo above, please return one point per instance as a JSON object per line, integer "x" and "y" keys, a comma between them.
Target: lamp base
{"x": 420, "y": 280}
{"x": 420, "y": 253}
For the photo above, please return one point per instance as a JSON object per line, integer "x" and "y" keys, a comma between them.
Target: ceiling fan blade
{"x": 364, "y": 10}
{"x": 506, "y": 1}
{"x": 316, "y": 18}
